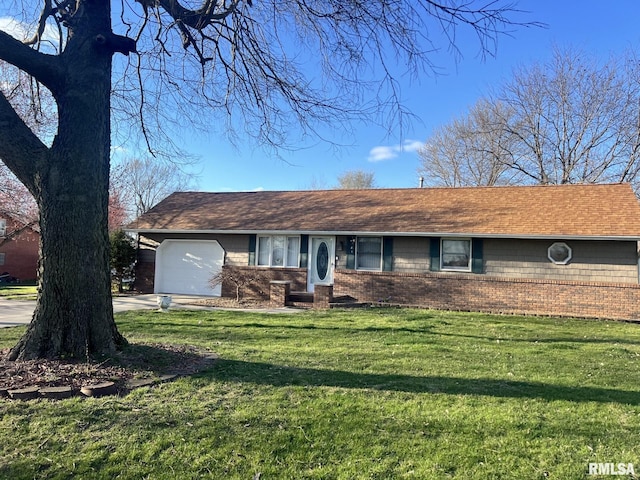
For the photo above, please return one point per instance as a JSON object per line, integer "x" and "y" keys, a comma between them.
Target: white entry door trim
{"x": 321, "y": 262}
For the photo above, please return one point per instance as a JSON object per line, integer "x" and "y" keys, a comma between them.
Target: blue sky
{"x": 592, "y": 26}
{"x": 597, "y": 27}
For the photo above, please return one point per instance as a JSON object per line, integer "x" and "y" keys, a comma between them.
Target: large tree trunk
{"x": 74, "y": 312}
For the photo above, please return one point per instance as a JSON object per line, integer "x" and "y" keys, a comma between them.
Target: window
{"x": 559, "y": 253}
{"x": 455, "y": 255}
{"x": 1, "y": 258}
{"x": 264, "y": 251}
{"x": 278, "y": 251}
{"x": 369, "y": 253}
{"x": 293, "y": 251}
{"x": 3, "y": 227}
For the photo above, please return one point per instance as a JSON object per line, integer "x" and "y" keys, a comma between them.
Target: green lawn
{"x": 371, "y": 394}
{"x": 19, "y": 291}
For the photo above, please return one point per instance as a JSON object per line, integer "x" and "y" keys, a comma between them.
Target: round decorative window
{"x": 559, "y": 253}
{"x": 322, "y": 261}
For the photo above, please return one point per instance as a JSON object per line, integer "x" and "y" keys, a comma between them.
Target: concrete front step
{"x": 301, "y": 297}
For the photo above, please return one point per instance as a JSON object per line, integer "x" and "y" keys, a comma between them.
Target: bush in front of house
{"x": 123, "y": 258}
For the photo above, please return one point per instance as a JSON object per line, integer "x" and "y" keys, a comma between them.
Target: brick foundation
{"x": 261, "y": 287}
{"x": 492, "y": 294}
{"x": 444, "y": 291}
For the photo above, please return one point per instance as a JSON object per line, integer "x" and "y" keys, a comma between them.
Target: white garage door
{"x": 185, "y": 266}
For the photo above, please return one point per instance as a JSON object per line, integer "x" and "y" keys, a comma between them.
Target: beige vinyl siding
{"x": 236, "y": 247}
{"x": 592, "y": 261}
{"x": 411, "y": 254}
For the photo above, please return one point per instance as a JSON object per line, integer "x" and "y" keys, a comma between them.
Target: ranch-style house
{"x": 569, "y": 250}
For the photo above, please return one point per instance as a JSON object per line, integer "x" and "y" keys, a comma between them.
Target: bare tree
{"x": 573, "y": 120}
{"x": 467, "y": 151}
{"x": 37, "y": 109}
{"x": 17, "y": 206}
{"x": 316, "y": 183}
{"x": 118, "y": 215}
{"x": 34, "y": 104}
{"x": 356, "y": 179}
{"x": 142, "y": 183}
{"x": 237, "y": 58}
{"x": 242, "y": 279}
{"x": 570, "y": 120}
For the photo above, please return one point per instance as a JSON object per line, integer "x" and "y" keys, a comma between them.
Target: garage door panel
{"x": 186, "y": 266}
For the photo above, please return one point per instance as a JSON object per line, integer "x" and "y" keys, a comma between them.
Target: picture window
{"x": 278, "y": 251}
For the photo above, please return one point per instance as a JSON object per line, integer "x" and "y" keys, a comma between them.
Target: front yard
{"x": 380, "y": 393}
{"x": 19, "y": 291}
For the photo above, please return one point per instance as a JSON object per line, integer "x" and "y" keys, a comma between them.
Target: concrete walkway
{"x": 19, "y": 312}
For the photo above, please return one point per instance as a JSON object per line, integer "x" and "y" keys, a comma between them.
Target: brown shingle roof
{"x": 601, "y": 211}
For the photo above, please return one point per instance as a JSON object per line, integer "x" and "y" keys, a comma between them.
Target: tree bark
{"x": 74, "y": 312}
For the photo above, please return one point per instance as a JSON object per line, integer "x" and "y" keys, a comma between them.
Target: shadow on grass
{"x": 429, "y": 329}
{"x": 349, "y": 329}
{"x": 278, "y": 375}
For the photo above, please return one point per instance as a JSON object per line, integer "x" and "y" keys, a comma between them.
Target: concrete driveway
{"x": 15, "y": 312}
{"x": 19, "y": 312}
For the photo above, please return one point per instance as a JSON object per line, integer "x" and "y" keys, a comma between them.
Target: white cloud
{"x": 118, "y": 150}
{"x": 13, "y": 27}
{"x": 380, "y": 154}
{"x": 389, "y": 152}
{"x": 412, "y": 145}
{"x": 21, "y": 31}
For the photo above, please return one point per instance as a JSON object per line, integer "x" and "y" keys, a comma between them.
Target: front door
{"x": 321, "y": 262}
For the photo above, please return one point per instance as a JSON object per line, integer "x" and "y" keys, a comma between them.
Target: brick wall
{"x": 279, "y": 291}
{"x": 322, "y": 296}
{"x": 20, "y": 253}
{"x": 297, "y": 277}
{"x": 493, "y": 294}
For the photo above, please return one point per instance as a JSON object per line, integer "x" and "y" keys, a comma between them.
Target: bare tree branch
{"x": 45, "y": 68}
{"x": 20, "y": 148}
{"x": 250, "y": 59}
{"x": 571, "y": 120}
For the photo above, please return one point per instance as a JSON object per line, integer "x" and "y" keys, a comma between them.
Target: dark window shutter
{"x": 304, "y": 251}
{"x": 434, "y": 253}
{"x": 351, "y": 253}
{"x": 387, "y": 254}
{"x": 477, "y": 265}
{"x": 252, "y": 249}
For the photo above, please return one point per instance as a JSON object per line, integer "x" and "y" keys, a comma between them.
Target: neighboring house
{"x": 19, "y": 244}
{"x": 545, "y": 250}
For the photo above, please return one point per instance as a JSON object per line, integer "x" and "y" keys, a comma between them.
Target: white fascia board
{"x": 625, "y": 238}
